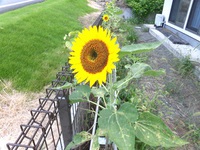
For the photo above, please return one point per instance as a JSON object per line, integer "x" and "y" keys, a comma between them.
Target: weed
{"x": 184, "y": 66}
{"x": 173, "y": 86}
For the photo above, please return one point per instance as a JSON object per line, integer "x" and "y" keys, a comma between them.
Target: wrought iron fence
{"x": 53, "y": 124}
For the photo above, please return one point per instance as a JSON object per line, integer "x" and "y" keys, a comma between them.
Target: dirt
{"x": 180, "y": 94}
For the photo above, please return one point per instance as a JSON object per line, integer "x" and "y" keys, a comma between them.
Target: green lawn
{"x": 31, "y": 41}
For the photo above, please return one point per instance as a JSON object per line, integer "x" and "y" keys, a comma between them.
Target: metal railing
{"x": 52, "y": 125}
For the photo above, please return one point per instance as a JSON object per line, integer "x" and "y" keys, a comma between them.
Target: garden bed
{"x": 179, "y": 93}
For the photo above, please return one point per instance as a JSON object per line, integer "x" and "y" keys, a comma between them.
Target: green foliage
{"x": 138, "y": 48}
{"x": 118, "y": 125}
{"x": 193, "y": 134}
{"x": 124, "y": 37}
{"x": 79, "y": 139}
{"x": 118, "y": 26}
{"x": 173, "y": 86}
{"x": 184, "y": 66}
{"x": 81, "y": 94}
{"x": 113, "y": 12}
{"x": 124, "y": 121}
{"x": 151, "y": 130}
{"x": 125, "y": 118}
{"x": 143, "y": 8}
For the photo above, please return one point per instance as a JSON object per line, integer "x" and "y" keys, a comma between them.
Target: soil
{"x": 180, "y": 95}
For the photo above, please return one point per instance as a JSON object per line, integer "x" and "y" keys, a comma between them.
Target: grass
{"x": 31, "y": 41}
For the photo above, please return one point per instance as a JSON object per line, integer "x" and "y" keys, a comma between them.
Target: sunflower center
{"x": 94, "y": 56}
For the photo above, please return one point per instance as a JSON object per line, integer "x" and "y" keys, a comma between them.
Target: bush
{"x": 143, "y": 8}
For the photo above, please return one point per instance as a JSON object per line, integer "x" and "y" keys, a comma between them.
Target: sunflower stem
{"x": 104, "y": 102}
{"x": 96, "y": 104}
{"x": 112, "y": 91}
{"x": 105, "y": 87}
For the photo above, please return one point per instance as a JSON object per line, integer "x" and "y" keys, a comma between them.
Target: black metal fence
{"x": 53, "y": 124}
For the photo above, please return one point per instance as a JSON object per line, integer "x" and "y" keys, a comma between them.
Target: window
{"x": 194, "y": 18}
{"x": 179, "y": 12}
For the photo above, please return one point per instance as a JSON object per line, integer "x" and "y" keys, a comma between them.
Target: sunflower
{"x": 93, "y": 55}
{"x": 105, "y": 17}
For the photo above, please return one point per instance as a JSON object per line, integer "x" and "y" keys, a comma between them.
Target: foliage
{"x": 143, "y": 8}
{"x": 31, "y": 41}
{"x": 121, "y": 121}
{"x": 117, "y": 25}
{"x": 184, "y": 66}
{"x": 113, "y": 12}
{"x": 124, "y": 118}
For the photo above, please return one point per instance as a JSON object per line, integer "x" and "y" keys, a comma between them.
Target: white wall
{"x": 166, "y": 9}
{"x": 166, "y": 13}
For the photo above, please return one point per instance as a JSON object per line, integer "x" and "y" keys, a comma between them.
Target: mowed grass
{"x": 31, "y": 41}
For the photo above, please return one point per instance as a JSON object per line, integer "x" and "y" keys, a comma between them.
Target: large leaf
{"x": 95, "y": 144}
{"x": 154, "y": 73}
{"x": 98, "y": 92}
{"x": 138, "y": 69}
{"x": 135, "y": 71}
{"x": 117, "y": 123}
{"x": 123, "y": 83}
{"x": 138, "y": 48}
{"x": 151, "y": 130}
{"x": 79, "y": 139}
{"x": 81, "y": 94}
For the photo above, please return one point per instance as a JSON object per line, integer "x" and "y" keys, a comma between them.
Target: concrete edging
{"x": 9, "y": 7}
{"x": 179, "y": 50}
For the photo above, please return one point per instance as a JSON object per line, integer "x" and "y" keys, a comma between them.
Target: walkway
{"x": 6, "y": 5}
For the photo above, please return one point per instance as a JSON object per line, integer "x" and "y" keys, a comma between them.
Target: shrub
{"x": 143, "y": 8}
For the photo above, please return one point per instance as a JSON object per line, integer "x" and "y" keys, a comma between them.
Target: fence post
{"x": 65, "y": 117}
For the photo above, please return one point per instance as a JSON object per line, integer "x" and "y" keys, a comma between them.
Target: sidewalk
{"x": 6, "y": 6}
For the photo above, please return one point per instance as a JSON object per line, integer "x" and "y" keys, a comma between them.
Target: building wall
{"x": 192, "y": 38}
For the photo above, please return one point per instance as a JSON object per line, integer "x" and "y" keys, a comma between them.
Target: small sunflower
{"x": 93, "y": 55}
{"x": 105, "y": 18}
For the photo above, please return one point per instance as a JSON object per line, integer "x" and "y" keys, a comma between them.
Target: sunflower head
{"x": 93, "y": 55}
{"x": 105, "y": 17}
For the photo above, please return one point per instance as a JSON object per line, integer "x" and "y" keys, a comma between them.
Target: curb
{"x": 6, "y": 8}
{"x": 178, "y": 50}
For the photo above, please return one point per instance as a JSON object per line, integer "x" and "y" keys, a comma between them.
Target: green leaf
{"x": 68, "y": 44}
{"x": 79, "y": 139}
{"x": 81, "y": 94}
{"x": 67, "y": 85}
{"x": 117, "y": 123}
{"x": 154, "y": 73}
{"x": 138, "y": 48}
{"x": 95, "y": 144}
{"x": 138, "y": 69}
{"x": 135, "y": 71}
{"x": 151, "y": 130}
{"x": 98, "y": 92}
{"x": 73, "y": 34}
